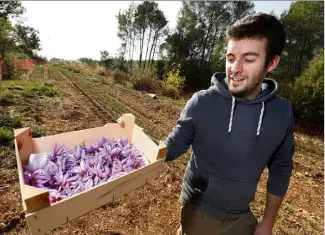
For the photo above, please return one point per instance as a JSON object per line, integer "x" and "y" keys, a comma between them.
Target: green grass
{"x": 8, "y": 121}
{"x": 38, "y": 132}
{"x": 15, "y": 91}
{"x": 6, "y": 136}
{"x": 106, "y": 80}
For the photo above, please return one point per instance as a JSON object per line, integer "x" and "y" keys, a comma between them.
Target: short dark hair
{"x": 258, "y": 26}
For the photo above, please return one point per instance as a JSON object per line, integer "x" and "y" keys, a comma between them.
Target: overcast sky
{"x": 71, "y": 30}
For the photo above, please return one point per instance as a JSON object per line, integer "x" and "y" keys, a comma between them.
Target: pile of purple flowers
{"x": 68, "y": 172}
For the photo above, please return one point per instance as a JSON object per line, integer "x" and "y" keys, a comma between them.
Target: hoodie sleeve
{"x": 182, "y": 136}
{"x": 281, "y": 163}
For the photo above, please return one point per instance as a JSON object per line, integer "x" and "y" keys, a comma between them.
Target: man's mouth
{"x": 237, "y": 79}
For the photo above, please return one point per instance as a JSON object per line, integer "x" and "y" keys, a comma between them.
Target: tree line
{"x": 18, "y": 39}
{"x": 198, "y": 45}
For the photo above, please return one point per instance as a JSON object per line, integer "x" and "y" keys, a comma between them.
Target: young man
{"x": 236, "y": 128}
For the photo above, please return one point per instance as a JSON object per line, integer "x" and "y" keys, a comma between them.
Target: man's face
{"x": 245, "y": 66}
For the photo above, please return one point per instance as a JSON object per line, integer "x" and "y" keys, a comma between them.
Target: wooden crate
{"x": 42, "y": 217}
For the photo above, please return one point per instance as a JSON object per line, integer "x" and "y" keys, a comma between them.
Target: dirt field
{"x": 154, "y": 208}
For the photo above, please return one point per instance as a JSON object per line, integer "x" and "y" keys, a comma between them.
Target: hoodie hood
{"x": 269, "y": 89}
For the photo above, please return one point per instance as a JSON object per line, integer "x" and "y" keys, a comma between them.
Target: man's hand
{"x": 263, "y": 230}
{"x": 120, "y": 122}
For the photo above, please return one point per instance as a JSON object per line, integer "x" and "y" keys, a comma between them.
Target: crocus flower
{"x": 61, "y": 179}
{"x": 58, "y": 150}
{"x": 66, "y": 172}
{"x": 37, "y": 179}
{"x": 82, "y": 169}
{"x": 55, "y": 196}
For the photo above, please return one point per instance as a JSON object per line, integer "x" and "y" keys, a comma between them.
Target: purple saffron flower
{"x": 62, "y": 162}
{"x": 100, "y": 143}
{"x": 107, "y": 173}
{"x": 68, "y": 172}
{"x": 37, "y": 179}
{"x": 105, "y": 154}
{"x": 80, "y": 187}
{"x": 125, "y": 153}
{"x": 51, "y": 168}
{"x": 93, "y": 160}
{"x": 80, "y": 153}
{"x": 139, "y": 164}
{"x": 116, "y": 152}
{"x": 123, "y": 142}
{"x": 58, "y": 150}
{"x": 91, "y": 150}
{"x": 61, "y": 179}
{"x": 128, "y": 164}
{"x": 117, "y": 166}
{"x": 71, "y": 161}
{"x": 96, "y": 171}
{"x": 82, "y": 169}
{"x": 55, "y": 196}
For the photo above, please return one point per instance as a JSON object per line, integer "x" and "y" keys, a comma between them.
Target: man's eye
{"x": 230, "y": 60}
{"x": 249, "y": 61}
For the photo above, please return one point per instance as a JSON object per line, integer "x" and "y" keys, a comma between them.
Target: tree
{"x": 11, "y": 9}
{"x": 307, "y": 93}
{"x": 7, "y": 42}
{"x": 141, "y": 27}
{"x": 143, "y": 15}
{"x": 88, "y": 61}
{"x": 304, "y": 25}
{"x": 8, "y": 9}
{"x": 27, "y": 39}
{"x": 21, "y": 38}
{"x": 158, "y": 24}
{"x": 239, "y": 9}
{"x": 106, "y": 59}
{"x": 200, "y": 34}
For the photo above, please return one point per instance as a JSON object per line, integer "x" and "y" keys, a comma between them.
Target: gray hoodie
{"x": 233, "y": 139}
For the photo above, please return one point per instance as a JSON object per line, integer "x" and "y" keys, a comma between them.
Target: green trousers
{"x": 195, "y": 222}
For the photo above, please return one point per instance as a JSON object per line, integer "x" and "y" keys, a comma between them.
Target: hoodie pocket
{"x": 194, "y": 185}
{"x": 228, "y": 195}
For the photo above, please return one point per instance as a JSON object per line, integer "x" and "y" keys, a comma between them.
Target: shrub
{"x": 119, "y": 76}
{"x": 144, "y": 79}
{"x": 307, "y": 93}
{"x": 173, "y": 83}
{"x": 11, "y": 65}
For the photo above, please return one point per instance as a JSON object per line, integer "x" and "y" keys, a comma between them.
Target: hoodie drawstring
{"x": 232, "y": 115}
{"x": 260, "y": 120}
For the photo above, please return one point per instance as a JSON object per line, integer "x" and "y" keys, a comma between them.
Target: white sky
{"x": 71, "y": 30}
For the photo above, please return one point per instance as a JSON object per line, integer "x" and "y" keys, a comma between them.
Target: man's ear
{"x": 273, "y": 63}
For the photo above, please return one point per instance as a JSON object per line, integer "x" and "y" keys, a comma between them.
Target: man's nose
{"x": 237, "y": 67}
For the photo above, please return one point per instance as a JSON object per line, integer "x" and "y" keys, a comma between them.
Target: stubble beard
{"x": 248, "y": 89}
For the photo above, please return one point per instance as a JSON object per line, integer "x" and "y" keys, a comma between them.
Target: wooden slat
{"x": 33, "y": 198}
{"x": 24, "y": 142}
